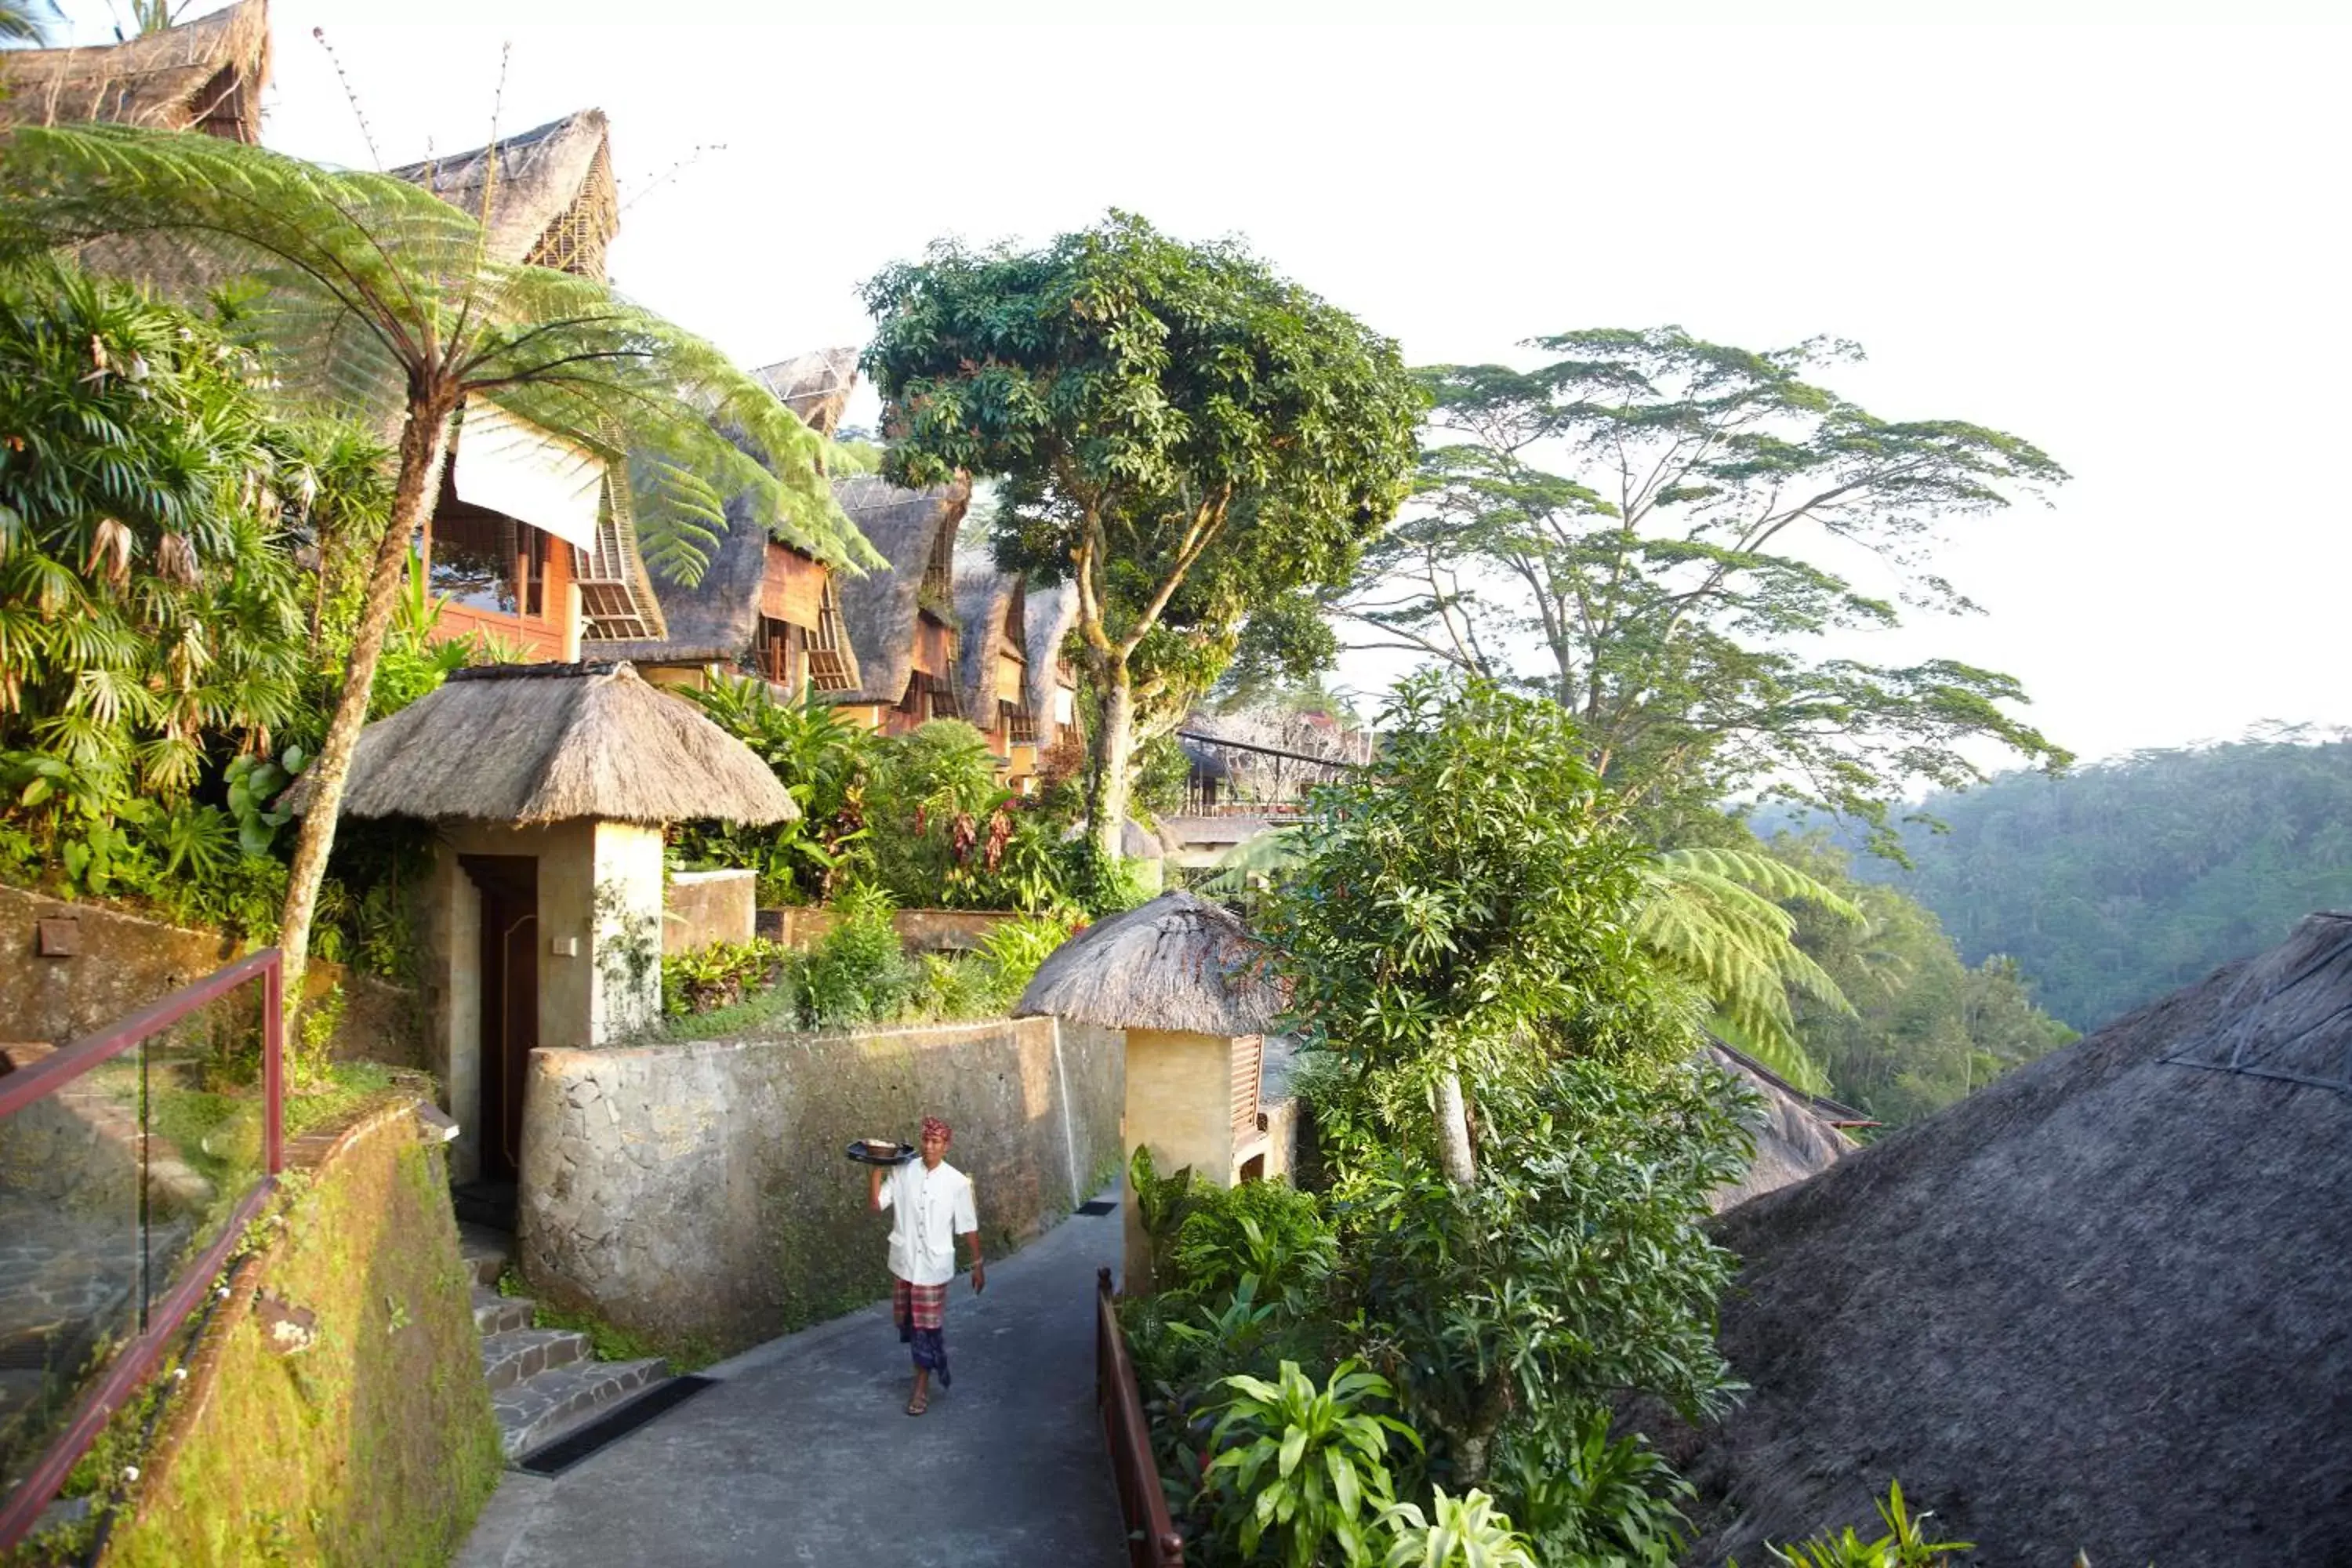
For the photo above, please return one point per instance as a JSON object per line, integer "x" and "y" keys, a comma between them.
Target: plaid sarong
{"x": 921, "y": 1314}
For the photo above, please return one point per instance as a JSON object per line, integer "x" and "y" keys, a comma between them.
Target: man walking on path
{"x": 930, "y": 1204}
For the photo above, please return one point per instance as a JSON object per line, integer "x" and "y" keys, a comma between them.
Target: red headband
{"x": 933, "y": 1124}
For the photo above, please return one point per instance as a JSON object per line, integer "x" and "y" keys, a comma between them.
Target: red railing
{"x": 160, "y": 1321}
{"x": 1151, "y": 1538}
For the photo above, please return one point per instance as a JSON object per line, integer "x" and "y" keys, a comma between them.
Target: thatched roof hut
{"x": 531, "y": 743}
{"x": 881, "y": 609}
{"x": 1050, "y": 614}
{"x": 1176, "y": 963}
{"x": 2100, "y": 1305}
{"x": 204, "y": 75}
{"x": 551, "y": 198}
{"x": 983, "y": 597}
{"x": 1797, "y": 1134}
{"x": 814, "y": 386}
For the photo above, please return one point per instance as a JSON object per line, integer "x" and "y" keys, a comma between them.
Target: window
{"x": 776, "y": 649}
{"x": 1020, "y": 724}
{"x": 483, "y": 560}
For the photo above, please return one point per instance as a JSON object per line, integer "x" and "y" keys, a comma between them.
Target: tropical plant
{"x": 1466, "y": 900}
{"x": 822, "y": 760}
{"x": 1597, "y": 1500}
{"x": 1182, "y": 432}
{"x": 1268, "y": 1233}
{"x": 383, "y": 301}
{"x": 1640, "y": 511}
{"x": 1308, "y": 1465}
{"x": 147, "y": 610}
{"x": 1465, "y": 1531}
{"x": 1163, "y": 1204}
{"x": 1905, "y": 1544}
{"x": 858, "y": 973}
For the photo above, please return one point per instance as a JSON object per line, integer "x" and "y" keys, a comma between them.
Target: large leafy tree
{"x": 381, "y": 300}
{"x": 1181, "y": 431}
{"x": 1648, "y": 528}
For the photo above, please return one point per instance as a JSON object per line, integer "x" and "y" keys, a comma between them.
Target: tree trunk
{"x": 1454, "y": 1153}
{"x": 1113, "y": 754}
{"x": 422, "y": 438}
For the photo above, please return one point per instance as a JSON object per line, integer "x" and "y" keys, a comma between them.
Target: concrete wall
{"x": 700, "y": 1189}
{"x": 701, "y": 908}
{"x": 124, "y": 961}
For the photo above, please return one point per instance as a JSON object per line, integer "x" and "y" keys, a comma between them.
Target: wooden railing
{"x": 1151, "y": 1538}
{"x": 155, "y": 1324}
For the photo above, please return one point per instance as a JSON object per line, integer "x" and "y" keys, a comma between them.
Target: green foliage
{"x": 1468, "y": 897}
{"x": 1905, "y": 1544}
{"x": 1185, "y": 432}
{"x": 2123, "y": 881}
{"x": 719, "y": 976}
{"x": 1593, "y": 1500}
{"x": 1307, "y": 1465}
{"x": 149, "y": 613}
{"x": 1467, "y": 1532}
{"x": 1636, "y": 510}
{"x": 1163, "y": 1204}
{"x": 1708, "y": 918}
{"x": 1576, "y": 1268}
{"x": 314, "y": 1034}
{"x": 1922, "y": 1029}
{"x": 858, "y": 973}
{"x": 822, "y": 760}
{"x": 1268, "y": 1233}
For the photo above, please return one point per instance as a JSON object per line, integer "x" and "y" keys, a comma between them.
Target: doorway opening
{"x": 508, "y": 885}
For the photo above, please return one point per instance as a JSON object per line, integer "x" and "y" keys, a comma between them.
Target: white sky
{"x": 2124, "y": 243}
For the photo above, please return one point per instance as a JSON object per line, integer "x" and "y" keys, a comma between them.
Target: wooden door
{"x": 509, "y": 1003}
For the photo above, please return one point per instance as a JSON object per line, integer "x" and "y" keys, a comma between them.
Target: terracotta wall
{"x": 919, "y": 931}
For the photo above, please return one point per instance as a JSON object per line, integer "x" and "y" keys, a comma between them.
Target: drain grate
{"x": 1098, "y": 1206}
{"x": 555, "y": 1459}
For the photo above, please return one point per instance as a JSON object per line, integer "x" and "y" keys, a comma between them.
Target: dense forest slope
{"x": 2126, "y": 881}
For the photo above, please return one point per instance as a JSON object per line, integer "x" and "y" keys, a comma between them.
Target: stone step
{"x": 515, "y": 1355}
{"x": 487, "y": 1252}
{"x": 544, "y": 1407}
{"x": 495, "y": 1314}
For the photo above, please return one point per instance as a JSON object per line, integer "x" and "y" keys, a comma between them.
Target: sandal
{"x": 917, "y": 1406}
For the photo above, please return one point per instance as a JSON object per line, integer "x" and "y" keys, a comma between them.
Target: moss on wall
{"x": 376, "y": 1445}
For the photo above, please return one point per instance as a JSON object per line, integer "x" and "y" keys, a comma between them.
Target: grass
{"x": 610, "y": 1340}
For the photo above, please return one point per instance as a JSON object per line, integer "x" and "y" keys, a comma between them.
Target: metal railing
{"x": 115, "y": 1113}
{"x": 1152, "y": 1540}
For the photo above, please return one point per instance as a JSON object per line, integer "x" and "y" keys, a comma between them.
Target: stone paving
{"x": 802, "y": 1454}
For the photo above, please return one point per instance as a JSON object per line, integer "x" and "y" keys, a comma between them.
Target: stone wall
{"x": 700, "y": 1189}
{"x": 700, "y": 908}
{"x": 122, "y": 961}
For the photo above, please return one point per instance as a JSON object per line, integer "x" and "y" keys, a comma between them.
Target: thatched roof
{"x": 552, "y": 200}
{"x": 1051, "y": 613}
{"x": 204, "y": 75}
{"x": 2100, "y": 1305}
{"x": 878, "y": 610}
{"x": 1178, "y": 963}
{"x": 1796, "y": 1136}
{"x": 553, "y": 742}
{"x": 983, "y": 595}
{"x": 816, "y": 385}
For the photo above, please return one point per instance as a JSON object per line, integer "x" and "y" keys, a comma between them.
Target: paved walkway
{"x": 802, "y": 1454}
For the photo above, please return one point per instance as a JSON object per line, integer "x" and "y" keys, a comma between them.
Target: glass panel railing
{"x": 72, "y": 1258}
{"x": 206, "y": 1112}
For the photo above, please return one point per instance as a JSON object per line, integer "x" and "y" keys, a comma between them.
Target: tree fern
{"x": 382, "y": 301}
{"x": 1710, "y": 919}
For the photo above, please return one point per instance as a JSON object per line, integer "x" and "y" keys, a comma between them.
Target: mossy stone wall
{"x": 699, "y": 1192}
{"x": 372, "y": 1447}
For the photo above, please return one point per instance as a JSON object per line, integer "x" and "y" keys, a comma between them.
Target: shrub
{"x": 719, "y": 976}
{"x": 1465, "y": 1531}
{"x": 1266, "y": 1232}
{"x": 857, "y": 973}
{"x": 1307, "y": 1465}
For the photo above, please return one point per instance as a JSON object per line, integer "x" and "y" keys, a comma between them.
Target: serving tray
{"x": 866, "y": 1153}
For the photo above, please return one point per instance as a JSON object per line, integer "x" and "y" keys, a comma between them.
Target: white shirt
{"x": 929, "y": 1208}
